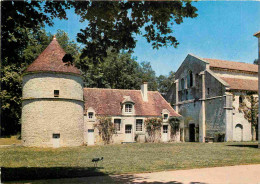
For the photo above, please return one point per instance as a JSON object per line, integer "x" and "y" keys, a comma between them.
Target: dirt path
{"x": 242, "y": 174}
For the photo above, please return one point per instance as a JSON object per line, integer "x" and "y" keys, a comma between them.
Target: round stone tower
{"x": 52, "y": 103}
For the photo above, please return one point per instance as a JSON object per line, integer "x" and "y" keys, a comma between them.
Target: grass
{"x": 8, "y": 141}
{"x": 130, "y": 158}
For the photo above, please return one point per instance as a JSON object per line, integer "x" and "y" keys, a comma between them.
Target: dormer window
{"x": 128, "y": 107}
{"x": 90, "y": 115}
{"x": 165, "y": 116}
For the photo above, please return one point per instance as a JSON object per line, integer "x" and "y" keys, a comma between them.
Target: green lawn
{"x": 129, "y": 158}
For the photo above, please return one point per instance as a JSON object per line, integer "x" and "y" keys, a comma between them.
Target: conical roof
{"x": 51, "y": 60}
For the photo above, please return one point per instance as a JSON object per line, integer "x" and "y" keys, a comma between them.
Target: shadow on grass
{"x": 39, "y": 173}
{"x": 244, "y": 145}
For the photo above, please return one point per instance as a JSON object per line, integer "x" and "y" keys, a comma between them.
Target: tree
{"x": 255, "y": 62}
{"x": 109, "y": 24}
{"x": 11, "y": 76}
{"x": 165, "y": 82}
{"x": 115, "y": 24}
{"x": 117, "y": 71}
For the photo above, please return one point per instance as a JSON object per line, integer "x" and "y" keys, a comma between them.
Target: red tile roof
{"x": 216, "y": 63}
{"x": 51, "y": 60}
{"x": 241, "y": 84}
{"x": 108, "y": 102}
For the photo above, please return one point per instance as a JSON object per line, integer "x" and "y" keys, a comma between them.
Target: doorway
{"x": 56, "y": 140}
{"x": 90, "y": 137}
{"x": 165, "y": 133}
{"x": 192, "y": 132}
{"x": 238, "y": 135}
{"x": 128, "y": 133}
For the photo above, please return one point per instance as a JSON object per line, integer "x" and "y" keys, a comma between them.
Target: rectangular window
{"x": 128, "y": 108}
{"x": 55, "y": 136}
{"x": 117, "y": 123}
{"x": 56, "y": 93}
{"x": 165, "y": 116}
{"x": 139, "y": 125}
{"x": 165, "y": 128}
{"x": 90, "y": 115}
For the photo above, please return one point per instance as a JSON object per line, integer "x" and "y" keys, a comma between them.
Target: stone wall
{"x": 44, "y": 115}
{"x": 43, "y": 118}
{"x": 42, "y": 85}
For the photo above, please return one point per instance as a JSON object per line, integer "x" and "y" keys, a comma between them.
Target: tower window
{"x": 55, "y": 136}
{"x": 56, "y": 93}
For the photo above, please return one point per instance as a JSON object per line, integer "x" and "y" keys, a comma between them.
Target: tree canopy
{"x": 111, "y": 24}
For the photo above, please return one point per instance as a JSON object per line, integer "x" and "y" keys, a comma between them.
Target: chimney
{"x": 258, "y": 36}
{"x": 144, "y": 91}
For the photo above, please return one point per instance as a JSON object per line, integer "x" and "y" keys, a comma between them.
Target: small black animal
{"x": 96, "y": 160}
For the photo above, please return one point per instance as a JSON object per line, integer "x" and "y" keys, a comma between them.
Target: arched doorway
{"x": 238, "y": 134}
{"x": 192, "y": 132}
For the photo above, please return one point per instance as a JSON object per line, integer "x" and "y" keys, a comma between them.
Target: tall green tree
{"x": 165, "y": 82}
{"x": 117, "y": 71}
{"x": 11, "y": 75}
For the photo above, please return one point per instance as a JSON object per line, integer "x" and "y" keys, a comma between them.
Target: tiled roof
{"x": 216, "y": 63}
{"x": 242, "y": 84}
{"x": 51, "y": 60}
{"x": 108, "y": 102}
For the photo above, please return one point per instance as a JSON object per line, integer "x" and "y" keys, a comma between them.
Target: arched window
{"x": 182, "y": 83}
{"x": 190, "y": 79}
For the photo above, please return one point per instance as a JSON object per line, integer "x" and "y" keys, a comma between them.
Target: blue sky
{"x": 222, "y": 30}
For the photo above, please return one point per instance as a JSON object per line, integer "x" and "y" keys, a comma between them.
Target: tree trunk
{"x": 253, "y": 133}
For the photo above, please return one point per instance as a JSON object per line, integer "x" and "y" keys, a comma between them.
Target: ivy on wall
{"x": 153, "y": 127}
{"x": 106, "y": 128}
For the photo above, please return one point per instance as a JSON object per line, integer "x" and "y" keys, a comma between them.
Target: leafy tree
{"x": 117, "y": 71}
{"x": 165, "y": 82}
{"x": 109, "y": 24}
{"x": 255, "y": 62}
{"x": 11, "y": 80}
{"x": 115, "y": 24}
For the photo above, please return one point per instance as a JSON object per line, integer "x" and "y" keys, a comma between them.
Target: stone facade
{"x": 207, "y": 95}
{"x": 45, "y": 116}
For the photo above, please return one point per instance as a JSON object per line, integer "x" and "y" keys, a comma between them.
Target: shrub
{"x": 106, "y": 128}
{"x": 153, "y": 127}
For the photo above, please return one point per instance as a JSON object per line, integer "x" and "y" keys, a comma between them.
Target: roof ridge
{"x": 115, "y": 89}
{"x": 229, "y": 61}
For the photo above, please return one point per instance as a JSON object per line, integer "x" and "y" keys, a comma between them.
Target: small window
{"x": 182, "y": 83}
{"x": 56, "y": 93}
{"x": 165, "y": 116}
{"x": 139, "y": 125}
{"x": 128, "y": 108}
{"x": 55, "y": 136}
{"x": 165, "y": 128}
{"x": 190, "y": 79}
{"x": 90, "y": 115}
{"x": 241, "y": 99}
{"x": 117, "y": 124}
